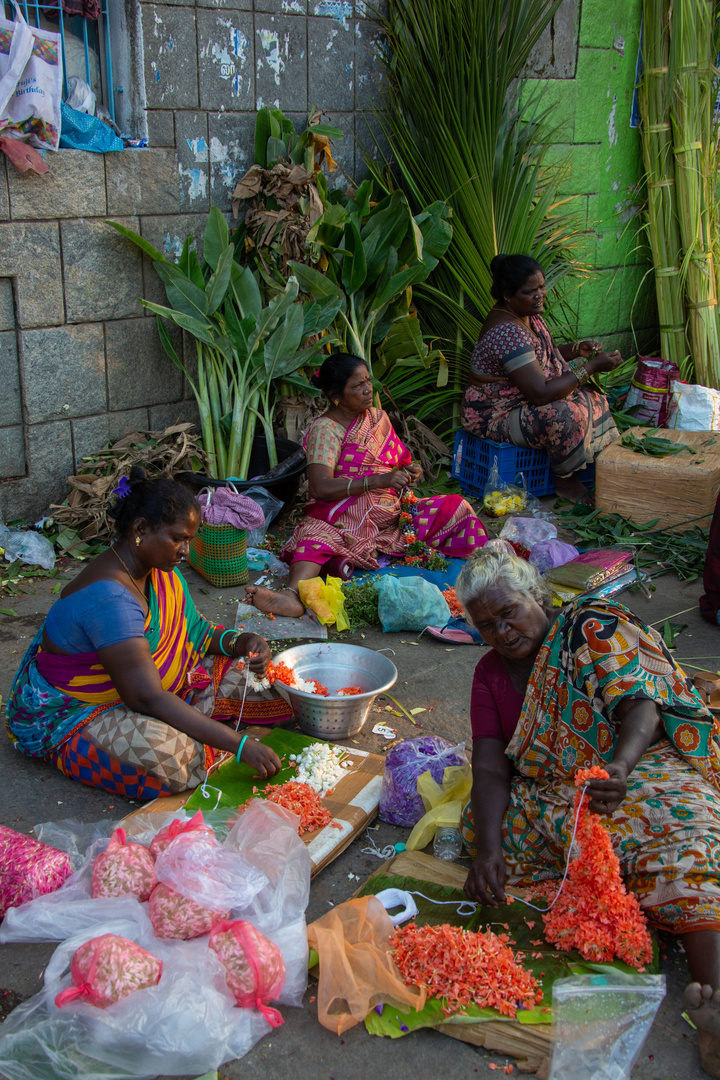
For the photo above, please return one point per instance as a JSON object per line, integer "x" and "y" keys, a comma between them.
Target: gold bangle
{"x": 347, "y": 490}
{"x": 581, "y": 374}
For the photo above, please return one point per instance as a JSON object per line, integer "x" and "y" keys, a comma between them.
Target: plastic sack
{"x": 28, "y": 869}
{"x": 551, "y": 553}
{"x": 649, "y": 393}
{"x": 254, "y": 966}
{"x": 261, "y": 559}
{"x": 600, "y": 1023}
{"x": 410, "y": 603}
{"x": 83, "y": 132}
{"x": 443, "y": 802}
{"x": 400, "y": 801}
{"x": 694, "y": 408}
{"x": 270, "y": 507}
{"x": 500, "y": 498}
{"x": 108, "y": 968}
{"x": 80, "y": 96}
{"x": 123, "y": 867}
{"x": 167, "y": 834}
{"x": 527, "y": 531}
{"x": 216, "y": 878}
{"x": 30, "y": 83}
{"x": 31, "y": 548}
{"x": 356, "y": 969}
{"x": 175, "y": 916}
{"x": 326, "y": 599}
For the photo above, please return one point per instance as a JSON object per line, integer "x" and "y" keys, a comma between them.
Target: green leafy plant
{"x": 243, "y": 346}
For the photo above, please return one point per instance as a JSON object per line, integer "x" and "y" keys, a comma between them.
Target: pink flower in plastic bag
{"x": 167, "y": 834}
{"x": 175, "y": 916}
{"x": 123, "y": 867}
{"x": 28, "y": 869}
{"x": 108, "y": 968}
{"x": 254, "y": 966}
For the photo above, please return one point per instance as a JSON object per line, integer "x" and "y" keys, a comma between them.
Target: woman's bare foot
{"x": 285, "y": 602}
{"x": 569, "y": 487}
{"x": 703, "y": 1008}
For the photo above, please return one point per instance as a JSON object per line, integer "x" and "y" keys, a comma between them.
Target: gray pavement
{"x": 430, "y": 675}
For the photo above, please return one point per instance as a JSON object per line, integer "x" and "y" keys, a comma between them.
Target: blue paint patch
{"x": 340, "y": 10}
{"x": 157, "y": 76}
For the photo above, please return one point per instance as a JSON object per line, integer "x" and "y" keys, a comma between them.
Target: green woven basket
{"x": 219, "y": 553}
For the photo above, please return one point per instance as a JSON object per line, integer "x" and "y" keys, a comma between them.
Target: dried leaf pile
{"x": 285, "y": 204}
{"x": 163, "y": 453}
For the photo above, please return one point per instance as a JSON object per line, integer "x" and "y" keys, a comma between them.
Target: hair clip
{"x": 123, "y": 489}
{"x": 317, "y": 373}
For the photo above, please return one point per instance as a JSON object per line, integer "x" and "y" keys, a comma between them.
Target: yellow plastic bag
{"x": 444, "y": 803}
{"x": 326, "y": 599}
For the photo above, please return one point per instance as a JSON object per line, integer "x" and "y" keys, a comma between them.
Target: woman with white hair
{"x": 594, "y": 686}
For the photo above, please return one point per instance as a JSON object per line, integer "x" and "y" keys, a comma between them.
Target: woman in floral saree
{"x": 527, "y": 390}
{"x": 357, "y": 471}
{"x": 596, "y": 687}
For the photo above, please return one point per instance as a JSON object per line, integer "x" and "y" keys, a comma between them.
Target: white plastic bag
{"x": 30, "y": 547}
{"x": 30, "y": 83}
{"x": 694, "y": 408}
{"x": 215, "y": 877}
{"x": 527, "y": 531}
{"x": 270, "y": 506}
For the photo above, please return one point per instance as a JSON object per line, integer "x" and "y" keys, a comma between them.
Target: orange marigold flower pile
{"x": 284, "y": 674}
{"x": 302, "y": 800}
{"x": 595, "y": 914}
{"x": 452, "y": 602}
{"x": 463, "y": 967}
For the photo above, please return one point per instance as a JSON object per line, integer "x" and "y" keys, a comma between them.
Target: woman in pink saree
{"x": 357, "y": 471}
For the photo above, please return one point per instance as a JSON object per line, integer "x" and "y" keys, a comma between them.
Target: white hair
{"x": 487, "y": 568}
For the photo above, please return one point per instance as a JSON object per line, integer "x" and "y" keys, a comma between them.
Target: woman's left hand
{"x": 414, "y": 472}
{"x": 257, "y": 646}
{"x": 587, "y": 348}
{"x": 606, "y": 795}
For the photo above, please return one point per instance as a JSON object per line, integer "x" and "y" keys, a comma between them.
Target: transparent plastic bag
{"x": 551, "y": 553}
{"x": 31, "y": 548}
{"x": 527, "y": 531}
{"x": 501, "y": 498}
{"x": 254, "y": 966}
{"x": 400, "y": 801}
{"x": 123, "y": 867}
{"x": 270, "y": 507}
{"x": 215, "y": 877}
{"x": 174, "y": 916}
{"x": 600, "y": 1023}
{"x": 410, "y": 603}
{"x": 167, "y": 834}
{"x": 108, "y": 968}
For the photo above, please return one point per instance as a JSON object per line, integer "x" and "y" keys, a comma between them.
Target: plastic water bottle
{"x": 447, "y": 844}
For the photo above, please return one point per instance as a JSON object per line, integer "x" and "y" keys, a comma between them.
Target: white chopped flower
{"x": 318, "y": 766}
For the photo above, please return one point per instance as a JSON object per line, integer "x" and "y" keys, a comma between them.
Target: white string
{"x": 380, "y": 853}
{"x": 206, "y": 788}
{"x": 567, "y": 864}
{"x": 458, "y": 903}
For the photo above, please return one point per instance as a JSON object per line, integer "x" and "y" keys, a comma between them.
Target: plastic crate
{"x": 473, "y": 458}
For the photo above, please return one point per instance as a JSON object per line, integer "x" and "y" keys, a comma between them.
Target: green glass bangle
{"x": 222, "y": 637}
{"x": 240, "y": 747}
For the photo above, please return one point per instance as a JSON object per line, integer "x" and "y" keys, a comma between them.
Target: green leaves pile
{"x": 654, "y": 446}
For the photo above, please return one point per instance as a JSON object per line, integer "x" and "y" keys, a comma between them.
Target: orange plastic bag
{"x": 356, "y": 972}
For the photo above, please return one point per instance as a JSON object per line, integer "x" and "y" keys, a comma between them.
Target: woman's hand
{"x": 397, "y": 479}
{"x": 257, "y": 649}
{"x": 414, "y": 471}
{"x": 486, "y": 881}
{"x": 606, "y": 361}
{"x": 261, "y": 758}
{"x": 587, "y": 348}
{"x": 606, "y": 795}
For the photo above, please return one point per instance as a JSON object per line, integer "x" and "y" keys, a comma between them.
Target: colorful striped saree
{"x": 361, "y": 526}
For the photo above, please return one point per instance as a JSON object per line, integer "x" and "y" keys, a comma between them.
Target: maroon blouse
{"x": 495, "y": 704}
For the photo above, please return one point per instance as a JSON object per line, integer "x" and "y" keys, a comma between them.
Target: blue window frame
{"x": 86, "y": 49}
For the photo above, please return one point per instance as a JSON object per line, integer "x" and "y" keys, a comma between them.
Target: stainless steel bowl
{"x": 335, "y": 665}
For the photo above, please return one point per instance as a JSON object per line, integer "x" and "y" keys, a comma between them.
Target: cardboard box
{"x": 679, "y": 490}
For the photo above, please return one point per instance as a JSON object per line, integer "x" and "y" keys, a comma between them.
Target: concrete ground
{"x": 430, "y": 675}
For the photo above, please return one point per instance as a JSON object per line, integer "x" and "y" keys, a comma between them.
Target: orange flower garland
{"x": 462, "y": 967}
{"x": 594, "y": 913}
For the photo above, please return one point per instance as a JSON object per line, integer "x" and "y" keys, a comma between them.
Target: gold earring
{"x": 137, "y": 541}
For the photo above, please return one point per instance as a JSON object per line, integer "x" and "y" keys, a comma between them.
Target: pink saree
{"x": 360, "y": 527}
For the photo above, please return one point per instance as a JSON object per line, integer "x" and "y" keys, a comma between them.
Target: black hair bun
{"x": 136, "y": 475}
{"x": 496, "y": 262}
{"x": 314, "y": 380}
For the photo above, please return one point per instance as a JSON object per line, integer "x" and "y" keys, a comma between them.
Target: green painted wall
{"x": 604, "y": 171}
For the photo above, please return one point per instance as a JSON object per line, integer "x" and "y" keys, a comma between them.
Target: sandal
{"x": 456, "y": 632}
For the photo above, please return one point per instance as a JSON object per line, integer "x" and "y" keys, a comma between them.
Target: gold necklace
{"x": 124, "y": 566}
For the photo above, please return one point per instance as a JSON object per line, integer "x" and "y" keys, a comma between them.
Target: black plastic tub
{"x": 283, "y": 487}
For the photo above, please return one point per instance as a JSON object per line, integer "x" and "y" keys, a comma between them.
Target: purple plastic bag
{"x": 551, "y": 553}
{"x": 400, "y": 803}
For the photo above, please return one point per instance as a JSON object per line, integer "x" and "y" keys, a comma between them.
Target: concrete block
{"x": 193, "y": 154}
{"x": 281, "y": 61}
{"x": 597, "y": 76}
{"x": 4, "y": 193}
{"x": 370, "y": 140}
{"x": 239, "y": 5}
{"x": 365, "y": 10}
{"x": 93, "y": 432}
{"x": 226, "y": 60}
{"x": 232, "y": 148}
{"x": 623, "y": 341}
{"x": 291, "y": 7}
{"x": 7, "y": 305}
{"x": 49, "y": 463}
{"x": 12, "y": 452}
{"x": 63, "y": 372}
{"x": 555, "y": 54}
{"x": 558, "y": 97}
{"x": 599, "y": 303}
{"x": 139, "y": 371}
{"x": 10, "y": 399}
{"x": 30, "y": 252}
{"x": 161, "y": 127}
{"x": 143, "y": 181}
{"x": 369, "y": 81}
{"x": 170, "y": 56}
{"x": 167, "y": 234}
{"x": 331, "y": 63}
{"x": 611, "y": 24}
{"x": 638, "y": 298}
{"x": 178, "y": 412}
{"x": 621, "y": 242}
{"x": 102, "y": 271}
{"x": 74, "y": 187}
{"x": 582, "y": 164}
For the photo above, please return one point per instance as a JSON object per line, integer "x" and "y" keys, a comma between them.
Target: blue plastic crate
{"x": 473, "y": 458}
